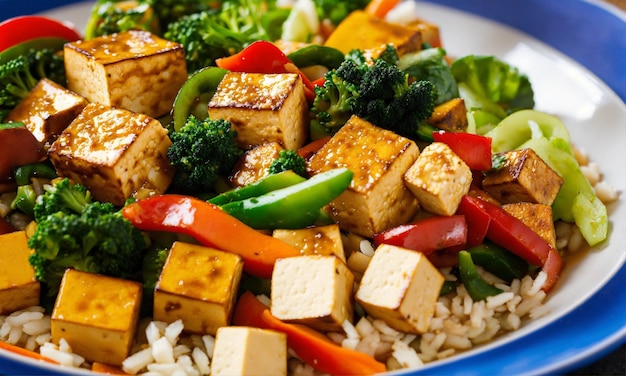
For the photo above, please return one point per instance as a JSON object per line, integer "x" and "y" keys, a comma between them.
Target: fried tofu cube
{"x": 318, "y": 240}
{"x": 248, "y": 351}
{"x": 134, "y": 70}
{"x": 254, "y": 164}
{"x": 47, "y": 110}
{"x": 450, "y": 116}
{"x": 97, "y": 315}
{"x": 198, "y": 285}
{"x": 430, "y": 31}
{"x": 18, "y": 286}
{"x": 376, "y": 198}
{"x": 263, "y": 108}
{"x": 373, "y": 32}
{"x": 536, "y": 216}
{"x": 439, "y": 179}
{"x": 114, "y": 153}
{"x": 401, "y": 287}
{"x": 313, "y": 290}
{"x": 525, "y": 177}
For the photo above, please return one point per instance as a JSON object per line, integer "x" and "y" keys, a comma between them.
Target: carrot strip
{"x": 107, "y": 368}
{"x": 380, "y": 8}
{"x": 22, "y": 351}
{"x": 311, "y": 346}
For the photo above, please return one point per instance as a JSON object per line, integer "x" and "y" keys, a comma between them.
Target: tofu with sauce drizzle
{"x": 135, "y": 70}
{"x": 377, "y": 197}
{"x": 263, "y": 108}
{"x": 114, "y": 152}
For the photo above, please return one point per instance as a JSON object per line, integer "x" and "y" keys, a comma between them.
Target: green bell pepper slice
{"x": 315, "y": 54}
{"x": 195, "y": 94}
{"x": 498, "y": 261}
{"x": 294, "y": 207}
{"x": 264, "y": 185}
{"x": 476, "y": 286}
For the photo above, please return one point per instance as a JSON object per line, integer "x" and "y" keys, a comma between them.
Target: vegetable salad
{"x": 288, "y": 145}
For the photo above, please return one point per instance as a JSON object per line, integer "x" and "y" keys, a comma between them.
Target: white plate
{"x": 596, "y": 118}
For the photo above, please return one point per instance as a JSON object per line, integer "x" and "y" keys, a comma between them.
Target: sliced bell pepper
{"x": 308, "y": 150}
{"x": 19, "y": 147}
{"x": 311, "y": 346}
{"x": 476, "y": 286}
{"x": 473, "y": 149}
{"x": 294, "y": 207}
{"x": 426, "y": 235}
{"x": 264, "y": 185}
{"x": 210, "y": 226}
{"x": 20, "y": 29}
{"x": 316, "y": 54}
{"x": 193, "y": 97}
{"x": 264, "y": 57}
{"x": 498, "y": 261}
{"x": 477, "y": 219}
{"x": 380, "y": 8}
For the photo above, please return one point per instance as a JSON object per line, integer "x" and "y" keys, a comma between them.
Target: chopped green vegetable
{"x": 498, "y": 261}
{"x": 288, "y": 160}
{"x": 476, "y": 286}
{"x": 430, "y": 65}
{"x": 262, "y": 186}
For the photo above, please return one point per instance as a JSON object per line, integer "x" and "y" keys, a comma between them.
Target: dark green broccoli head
{"x": 289, "y": 160}
{"x": 113, "y": 16}
{"x": 335, "y": 10}
{"x": 62, "y": 196}
{"x": 201, "y": 151}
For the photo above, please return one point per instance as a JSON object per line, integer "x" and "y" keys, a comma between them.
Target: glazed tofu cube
{"x": 439, "y": 179}
{"x": 312, "y": 290}
{"x": 247, "y": 351}
{"x": 377, "y": 197}
{"x": 114, "y": 153}
{"x": 536, "y": 216}
{"x": 524, "y": 177}
{"x": 429, "y": 31}
{"x": 18, "y": 286}
{"x": 134, "y": 70}
{"x": 373, "y": 32}
{"x": 97, "y": 315}
{"x": 317, "y": 240}
{"x": 255, "y": 164}
{"x": 401, "y": 287}
{"x": 47, "y": 110}
{"x": 450, "y": 116}
{"x": 263, "y": 108}
{"x": 198, "y": 285}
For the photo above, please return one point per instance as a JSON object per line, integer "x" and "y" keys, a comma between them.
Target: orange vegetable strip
{"x": 210, "y": 226}
{"x": 380, "y": 8}
{"x": 22, "y": 351}
{"x": 311, "y": 346}
{"x": 107, "y": 368}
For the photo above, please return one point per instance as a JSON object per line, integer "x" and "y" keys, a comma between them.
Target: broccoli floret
{"x": 377, "y": 91}
{"x": 336, "y": 10}
{"x": 95, "y": 239}
{"x": 62, "y": 196}
{"x": 20, "y": 75}
{"x": 289, "y": 160}
{"x": 201, "y": 151}
{"x": 212, "y": 34}
{"x": 114, "y": 16}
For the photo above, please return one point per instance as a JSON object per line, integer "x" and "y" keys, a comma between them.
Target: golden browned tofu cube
{"x": 525, "y": 177}
{"x": 254, "y": 164}
{"x": 114, "y": 153}
{"x": 198, "y": 285}
{"x": 47, "y": 110}
{"x": 247, "y": 351}
{"x": 18, "y": 286}
{"x": 377, "y": 197}
{"x": 313, "y": 290}
{"x": 450, "y": 116}
{"x": 97, "y": 315}
{"x": 401, "y": 287}
{"x": 134, "y": 70}
{"x": 364, "y": 31}
{"x": 439, "y": 179}
{"x": 263, "y": 108}
{"x": 536, "y": 216}
{"x": 430, "y": 31}
{"x": 316, "y": 240}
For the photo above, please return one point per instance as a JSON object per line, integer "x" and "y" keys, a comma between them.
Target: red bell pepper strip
{"x": 552, "y": 267}
{"x": 477, "y": 219}
{"x": 19, "y": 147}
{"x": 264, "y": 57}
{"x": 311, "y": 346}
{"x": 24, "y": 28}
{"x": 210, "y": 226}
{"x": 309, "y": 150}
{"x": 473, "y": 149}
{"x": 426, "y": 235}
